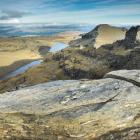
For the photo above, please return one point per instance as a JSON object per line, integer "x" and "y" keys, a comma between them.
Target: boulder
{"x": 132, "y": 76}
{"x": 74, "y": 109}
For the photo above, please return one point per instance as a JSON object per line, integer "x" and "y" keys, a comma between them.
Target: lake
{"x": 55, "y": 48}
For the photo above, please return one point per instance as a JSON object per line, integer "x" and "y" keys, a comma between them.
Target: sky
{"x": 70, "y": 11}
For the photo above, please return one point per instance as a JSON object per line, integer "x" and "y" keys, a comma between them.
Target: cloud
{"x": 10, "y": 14}
{"x": 69, "y": 11}
{"x": 116, "y": 14}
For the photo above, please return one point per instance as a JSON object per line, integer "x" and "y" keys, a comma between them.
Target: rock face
{"x": 101, "y": 35}
{"x": 132, "y": 37}
{"x": 74, "y": 110}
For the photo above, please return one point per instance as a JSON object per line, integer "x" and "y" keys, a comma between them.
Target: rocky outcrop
{"x": 132, "y": 37}
{"x": 105, "y": 34}
{"x": 74, "y": 110}
{"x": 100, "y": 35}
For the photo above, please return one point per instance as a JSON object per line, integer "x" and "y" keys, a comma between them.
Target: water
{"x": 13, "y": 30}
{"x": 57, "y": 47}
{"x": 22, "y": 69}
{"x": 23, "y": 30}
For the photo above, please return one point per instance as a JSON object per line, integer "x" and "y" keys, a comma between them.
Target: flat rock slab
{"x": 132, "y": 76}
{"x": 73, "y": 109}
{"x": 60, "y": 95}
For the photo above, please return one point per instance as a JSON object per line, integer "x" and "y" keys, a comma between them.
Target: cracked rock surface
{"x": 106, "y": 109}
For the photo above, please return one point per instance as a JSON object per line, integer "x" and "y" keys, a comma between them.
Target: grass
{"x": 16, "y": 50}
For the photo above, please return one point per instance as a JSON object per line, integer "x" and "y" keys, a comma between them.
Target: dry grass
{"x": 21, "y": 49}
{"x": 108, "y": 35}
{"x": 20, "y": 126}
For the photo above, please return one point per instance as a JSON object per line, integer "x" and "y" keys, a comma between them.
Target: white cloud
{"x": 10, "y": 21}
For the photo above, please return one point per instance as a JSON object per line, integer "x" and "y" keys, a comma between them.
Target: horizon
{"x": 113, "y": 12}
{"x": 46, "y": 29}
{"x": 78, "y": 24}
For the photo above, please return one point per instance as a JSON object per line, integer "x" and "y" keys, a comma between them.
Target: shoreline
{"x": 16, "y": 65}
{"x": 16, "y": 52}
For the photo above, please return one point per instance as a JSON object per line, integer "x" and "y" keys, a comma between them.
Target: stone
{"x": 132, "y": 76}
{"x": 132, "y": 37}
{"x": 74, "y": 109}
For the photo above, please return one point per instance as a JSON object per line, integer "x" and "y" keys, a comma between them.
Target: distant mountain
{"x": 22, "y": 30}
{"x": 100, "y": 35}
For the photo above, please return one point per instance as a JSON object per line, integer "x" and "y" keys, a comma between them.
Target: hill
{"x": 101, "y": 35}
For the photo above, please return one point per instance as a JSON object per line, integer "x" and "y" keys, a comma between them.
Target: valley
{"x": 18, "y": 51}
{"x": 76, "y": 91}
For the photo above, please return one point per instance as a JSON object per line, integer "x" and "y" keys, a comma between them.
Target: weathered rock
{"x": 73, "y": 110}
{"x": 132, "y": 76}
{"x": 132, "y": 37}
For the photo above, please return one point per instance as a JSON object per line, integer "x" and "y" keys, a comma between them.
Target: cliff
{"x": 132, "y": 38}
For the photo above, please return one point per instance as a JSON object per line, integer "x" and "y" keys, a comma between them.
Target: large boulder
{"x": 106, "y": 109}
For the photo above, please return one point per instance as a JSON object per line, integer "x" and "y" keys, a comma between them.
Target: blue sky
{"x": 70, "y": 11}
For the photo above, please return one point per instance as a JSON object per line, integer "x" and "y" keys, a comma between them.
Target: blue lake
{"x": 58, "y": 47}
